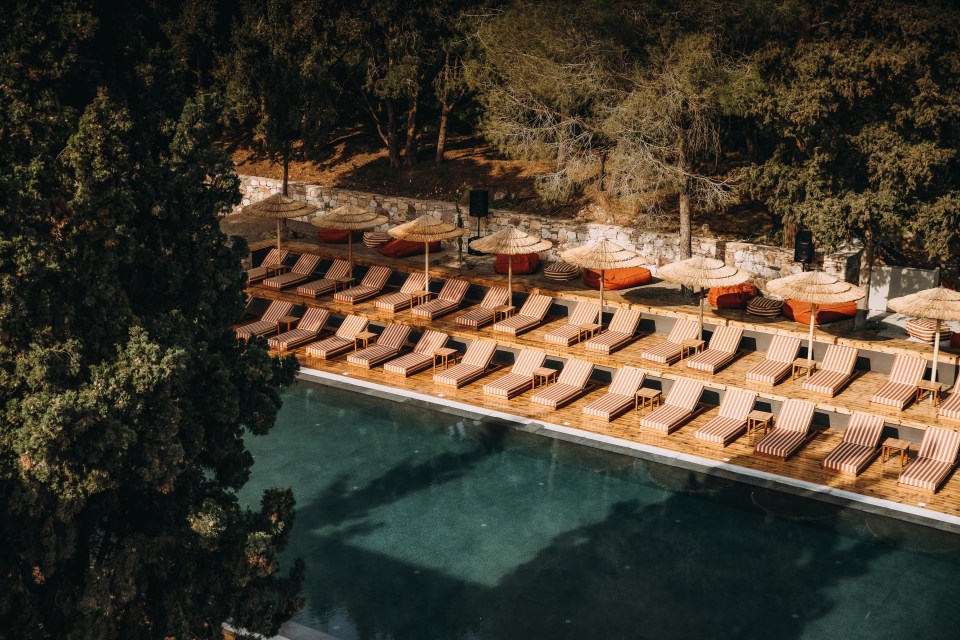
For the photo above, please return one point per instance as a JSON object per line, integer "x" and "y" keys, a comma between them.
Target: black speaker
{"x": 803, "y": 248}
{"x": 479, "y": 203}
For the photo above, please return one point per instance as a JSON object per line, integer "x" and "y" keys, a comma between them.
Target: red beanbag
{"x": 826, "y": 313}
{"x": 522, "y": 263}
{"x": 735, "y": 297}
{"x": 398, "y": 248}
{"x": 616, "y": 278}
{"x": 335, "y": 236}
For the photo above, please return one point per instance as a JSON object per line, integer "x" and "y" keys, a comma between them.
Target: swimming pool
{"x": 416, "y": 523}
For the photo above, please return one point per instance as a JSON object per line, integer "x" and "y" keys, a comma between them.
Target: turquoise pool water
{"x": 419, "y": 524}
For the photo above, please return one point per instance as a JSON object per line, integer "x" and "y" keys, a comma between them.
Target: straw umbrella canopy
{"x": 351, "y": 218}
{"x": 510, "y": 241}
{"x": 603, "y": 255}
{"x": 278, "y": 207}
{"x": 705, "y": 273}
{"x": 816, "y": 288}
{"x": 426, "y": 229}
{"x": 936, "y": 304}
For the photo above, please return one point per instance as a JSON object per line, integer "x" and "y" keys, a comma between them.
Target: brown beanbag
{"x": 522, "y": 263}
{"x": 616, "y": 278}
{"x": 398, "y": 248}
{"x": 955, "y": 341}
{"x": 735, "y": 297}
{"x": 335, "y": 236}
{"x": 826, "y": 313}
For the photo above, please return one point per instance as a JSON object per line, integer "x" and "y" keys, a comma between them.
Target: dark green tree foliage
{"x": 125, "y": 396}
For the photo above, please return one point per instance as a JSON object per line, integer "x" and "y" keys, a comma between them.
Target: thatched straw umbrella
{"x": 510, "y": 241}
{"x": 705, "y": 273}
{"x": 816, "y": 288}
{"x": 350, "y": 218}
{"x": 936, "y": 304}
{"x": 426, "y": 229}
{"x": 278, "y": 207}
{"x": 603, "y": 255}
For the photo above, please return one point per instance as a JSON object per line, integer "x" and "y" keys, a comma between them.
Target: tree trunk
{"x": 393, "y": 144}
{"x": 445, "y": 110}
{"x": 686, "y": 235}
{"x": 866, "y": 272}
{"x": 410, "y": 146}
{"x": 789, "y": 233}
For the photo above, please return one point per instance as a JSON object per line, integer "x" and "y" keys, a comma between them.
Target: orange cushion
{"x": 335, "y": 236}
{"x": 522, "y": 263}
{"x": 826, "y": 313}
{"x": 735, "y": 297}
{"x": 616, "y": 278}
{"x": 398, "y": 248}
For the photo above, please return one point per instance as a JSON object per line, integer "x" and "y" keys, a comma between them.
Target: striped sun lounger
{"x": 302, "y": 270}
{"x": 372, "y": 284}
{"x": 326, "y": 284}
{"x": 731, "y": 421}
{"x": 721, "y": 350}
{"x": 274, "y": 258}
{"x": 678, "y": 407}
{"x": 520, "y": 377}
{"x": 309, "y": 327}
{"x": 791, "y": 432}
{"x": 669, "y": 352}
{"x": 620, "y": 397}
{"x": 835, "y": 372}
{"x": 531, "y": 314}
{"x": 861, "y": 444}
{"x": 901, "y": 386}
{"x": 342, "y": 340}
{"x": 474, "y": 365}
{"x": 583, "y": 313}
{"x": 449, "y": 299}
{"x": 394, "y": 302}
{"x": 267, "y": 322}
{"x": 950, "y": 408}
{"x": 622, "y": 329}
{"x": 483, "y": 315}
{"x": 570, "y": 385}
{"x": 421, "y": 357}
{"x": 388, "y": 346}
{"x": 935, "y": 462}
{"x": 777, "y": 362}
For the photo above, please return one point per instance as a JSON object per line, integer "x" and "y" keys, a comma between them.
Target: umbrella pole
{"x": 600, "y": 317}
{"x": 936, "y": 353}
{"x": 426, "y": 266}
{"x": 813, "y": 315}
{"x": 278, "y": 234}
{"x": 701, "y": 313}
{"x": 510, "y": 281}
{"x": 350, "y": 252}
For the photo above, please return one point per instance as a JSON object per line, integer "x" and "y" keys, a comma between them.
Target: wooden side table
{"x": 757, "y": 420}
{"x": 892, "y": 445}
{"x": 287, "y": 320}
{"x": 690, "y": 346}
{"x": 276, "y": 269}
{"x": 588, "y": 330}
{"x": 503, "y": 312}
{"x": 935, "y": 389}
{"x": 802, "y": 365}
{"x": 543, "y": 376}
{"x": 645, "y": 398}
{"x": 442, "y": 357}
{"x": 364, "y": 337}
{"x": 343, "y": 282}
{"x": 418, "y": 297}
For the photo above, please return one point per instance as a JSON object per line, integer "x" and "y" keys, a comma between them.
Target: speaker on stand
{"x": 479, "y": 208}
{"x": 803, "y": 249}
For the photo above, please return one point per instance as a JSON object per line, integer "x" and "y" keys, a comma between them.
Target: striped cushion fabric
{"x": 926, "y": 473}
{"x": 737, "y": 403}
{"x": 840, "y": 358}
{"x": 330, "y": 347}
{"x": 940, "y": 444}
{"x": 556, "y": 395}
{"x": 664, "y": 353}
{"x": 373, "y": 239}
{"x": 527, "y": 361}
{"x": 826, "y": 382}
{"x": 561, "y": 271}
{"x": 292, "y": 338}
{"x": 783, "y": 349}
{"x": 850, "y": 457}
{"x": 326, "y": 284}
{"x": 907, "y": 369}
{"x": 372, "y": 283}
{"x": 303, "y": 269}
{"x": 677, "y": 408}
{"x": 273, "y": 258}
{"x": 565, "y": 335}
{"x": 864, "y": 429}
{"x": 834, "y": 372}
{"x": 627, "y": 381}
{"x": 665, "y": 418}
{"x": 950, "y": 408}
{"x": 314, "y": 319}
{"x": 372, "y": 355}
{"x": 435, "y": 308}
{"x": 508, "y": 386}
{"x": 925, "y": 330}
{"x": 625, "y": 320}
{"x": 583, "y": 313}
{"x": 685, "y": 393}
{"x": 394, "y": 302}
{"x": 351, "y": 326}
{"x": 895, "y": 394}
{"x": 768, "y": 372}
{"x": 475, "y": 361}
{"x": 781, "y": 443}
{"x": 530, "y": 315}
{"x": 902, "y": 385}
{"x": 765, "y": 307}
{"x": 267, "y": 322}
{"x": 475, "y": 318}
{"x": 684, "y": 329}
{"x": 796, "y": 415}
{"x": 608, "y": 342}
{"x": 710, "y": 360}
{"x": 409, "y": 364}
{"x": 777, "y": 361}
{"x": 721, "y": 430}
{"x": 609, "y": 406}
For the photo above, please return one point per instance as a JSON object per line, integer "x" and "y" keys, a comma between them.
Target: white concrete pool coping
{"x": 909, "y": 513}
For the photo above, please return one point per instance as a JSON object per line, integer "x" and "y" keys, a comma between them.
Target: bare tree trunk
{"x": 445, "y": 110}
{"x": 686, "y": 235}
{"x": 393, "y": 144}
{"x": 866, "y": 272}
{"x": 789, "y": 233}
{"x": 410, "y": 146}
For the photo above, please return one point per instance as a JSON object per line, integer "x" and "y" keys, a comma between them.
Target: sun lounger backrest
{"x": 430, "y": 341}
{"x": 414, "y": 282}
{"x": 527, "y": 361}
{"x": 796, "y": 415}
{"x": 536, "y": 306}
{"x": 737, "y": 403}
{"x": 575, "y": 372}
{"x": 479, "y": 353}
{"x": 338, "y": 269}
{"x": 584, "y": 313}
{"x": 940, "y": 444}
{"x": 376, "y": 277}
{"x": 840, "y": 358}
{"x": 495, "y": 297}
{"x": 274, "y": 256}
{"x": 453, "y": 290}
{"x": 625, "y": 321}
{"x": 626, "y": 381}
{"x": 726, "y": 339}
{"x": 907, "y": 370}
{"x": 306, "y": 264}
{"x": 684, "y": 394}
{"x": 276, "y": 310}
{"x": 314, "y": 319}
{"x": 864, "y": 429}
{"x": 393, "y": 336}
{"x": 351, "y": 326}
{"x": 684, "y": 329}
{"x": 783, "y": 349}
